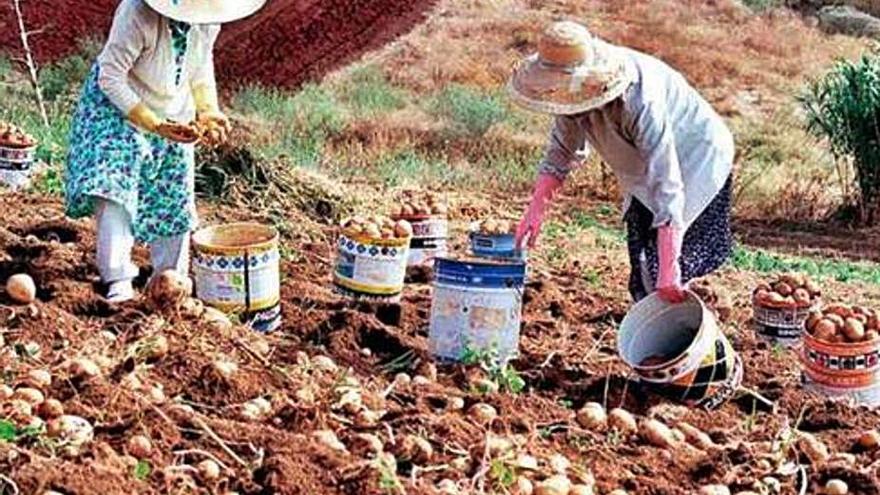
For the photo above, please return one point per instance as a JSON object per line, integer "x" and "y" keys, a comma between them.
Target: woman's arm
{"x": 565, "y": 152}
{"x": 126, "y": 42}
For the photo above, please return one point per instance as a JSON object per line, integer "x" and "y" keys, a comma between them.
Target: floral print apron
{"x": 111, "y": 159}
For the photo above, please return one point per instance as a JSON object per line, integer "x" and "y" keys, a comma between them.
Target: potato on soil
{"x": 416, "y": 449}
{"x": 554, "y": 485}
{"x": 559, "y": 464}
{"x": 715, "y": 490}
{"x": 39, "y": 379}
{"x": 30, "y": 395}
{"x": 696, "y": 437}
{"x": 526, "y": 462}
{"x": 83, "y": 368}
{"x": 21, "y": 288}
{"x": 523, "y": 486}
{"x": 787, "y": 291}
{"x": 592, "y": 416}
{"x": 622, "y": 421}
{"x": 209, "y": 470}
{"x": 869, "y": 440}
{"x": 139, "y": 446}
{"x": 74, "y": 430}
{"x": 483, "y": 413}
{"x": 6, "y": 392}
{"x": 658, "y": 434}
{"x": 813, "y": 448}
{"x": 50, "y": 409}
{"x": 836, "y": 487}
{"x": 169, "y": 290}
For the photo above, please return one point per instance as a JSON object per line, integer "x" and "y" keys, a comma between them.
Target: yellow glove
{"x": 143, "y": 117}
{"x": 213, "y": 124}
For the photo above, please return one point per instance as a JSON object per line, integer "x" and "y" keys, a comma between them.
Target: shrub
{"x": 470, "y": 112}
{"x": 844, "y": 108}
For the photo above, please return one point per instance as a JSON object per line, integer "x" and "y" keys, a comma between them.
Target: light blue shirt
{"x": 667, "y": 146}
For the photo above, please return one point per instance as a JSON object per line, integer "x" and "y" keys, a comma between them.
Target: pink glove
{"x": 669, "y": 287}
{"x": 530, "y": 226}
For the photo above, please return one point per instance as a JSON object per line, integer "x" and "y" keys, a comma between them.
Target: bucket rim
{"x": 420, "y": 218}
{"x": 32, "y": 147}
{"x": 650, "y": 299}
{"x": 483, "y": 262}
{"x": 856, "y": 347}
{"x": 201, "y": 237}
{"x": 372, "y": 241}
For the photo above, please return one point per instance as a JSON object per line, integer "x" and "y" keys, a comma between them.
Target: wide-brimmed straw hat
{"x": 206, "y": 11}
{"x": 573, "y": 72}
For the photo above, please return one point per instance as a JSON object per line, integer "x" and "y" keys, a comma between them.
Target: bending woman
{"x": 671, "y": 152}
{"x": 131, "y": 159}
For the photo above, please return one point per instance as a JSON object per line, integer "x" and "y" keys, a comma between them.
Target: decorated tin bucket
{"x": 678, "y": 351}
{"x": 846, "y": 370}
{"x": 477, "y": 307}
{"x": 784, "y": 326}
{"x": 371, "y": 269}
{"x": 429, "y": 241}
{"x": 236, "y": 268}
{"x": 16, "y": 165}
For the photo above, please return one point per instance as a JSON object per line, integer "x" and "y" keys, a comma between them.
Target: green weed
{"x": 142, "y": 470}
{"x": 502, "y": 475}
{"x": 368, "y": 92}
{"x": 407, "y": 167}
{"x": 469, "y": 112}
{"x": 502, "y": 374}
{"x": 839, "y": 270}
{"x": 63, "y": 79}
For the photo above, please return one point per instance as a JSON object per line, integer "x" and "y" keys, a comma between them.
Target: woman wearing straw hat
{"x": 671, "y": 152}
{"x": 131, "y": 159}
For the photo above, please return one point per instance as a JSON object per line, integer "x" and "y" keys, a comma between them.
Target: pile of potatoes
{"x": 377, "y": 227}
{"x": 418, "y": 204}
{"x": 788, "y": 291}
{"x": 494, "y": 227}
{"x": 12, "y": 136}
{"x": 840, "y": 323}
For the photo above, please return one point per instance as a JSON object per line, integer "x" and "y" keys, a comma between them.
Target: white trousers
{"x": 116, "y": 241}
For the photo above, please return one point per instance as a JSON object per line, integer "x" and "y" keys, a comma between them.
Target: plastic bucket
{"x": 500, "y": 247}
{"x": 678, "y": 351}
{"x": 784, "y": 326}
{"x": 429, "y": 241}
{"x": 236, "y": 269}
{"x": 16, "y": 166}
{"x": 477, "y": 307}
{"x": 371, "y": 269}
{"x": 843, "y": 369}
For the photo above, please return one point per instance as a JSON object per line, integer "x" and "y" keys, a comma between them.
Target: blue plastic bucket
{"x": 477, "y": 307}
{"x": 500, "y": 247}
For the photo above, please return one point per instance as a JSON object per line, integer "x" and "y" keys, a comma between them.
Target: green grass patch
{"x": 406, "y": 167}
{"x": 469, "y": 112}
{"x": 368, "y": 92}
{"x": 299, "y": 123}
{"x": 841, "y": 270}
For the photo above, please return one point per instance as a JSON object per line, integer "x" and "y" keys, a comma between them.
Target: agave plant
{"x": 844, "y": 108}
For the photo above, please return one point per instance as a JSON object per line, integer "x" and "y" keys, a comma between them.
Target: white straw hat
{"x": 206, "y": 11}
{"x": 573, "y": 72}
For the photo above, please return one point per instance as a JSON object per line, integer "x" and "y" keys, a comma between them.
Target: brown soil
{"x": 568, "y": 358}
{"x": 287, "y": 43}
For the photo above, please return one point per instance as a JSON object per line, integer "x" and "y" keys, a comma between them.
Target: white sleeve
{"x": 125, "y": 43}
{"x": 567, "y": 148}
{"x": 655, "y": 139}
{"x": 204, "y": 73}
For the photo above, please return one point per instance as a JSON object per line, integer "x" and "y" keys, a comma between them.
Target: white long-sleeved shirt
{"x": 667, "y": 146}
{"x": 137, "y": 64}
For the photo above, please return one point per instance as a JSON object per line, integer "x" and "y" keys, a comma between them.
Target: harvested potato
{"x": 869, "y": 440}
{"x": 658, "y": 434}
{"x": 413, "y": 203}
{"x": 787, "y": 291}
{"x": 169, "y": 290}
{"x": 622, "y": 421}
{"x": 12, "y": 136}
{"x": 377, "y": 228}
{"x": 836, "y": 487}
{"x": 592, "y": 416}
{"x": 21, "y": 288}
{"x": 715, "y": 490}
{"x": 139, "y": 446}
{"x": 554, "y": 485}
{"x": 838, "y": 323}
{"x": 813, "y": 448}
{"x": 493, "y": 227}
{"x": 697, "y": 438}
{"x": 83, "y": 368}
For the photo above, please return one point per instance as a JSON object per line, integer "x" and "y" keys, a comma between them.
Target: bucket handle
{"x": 247, "y": 281}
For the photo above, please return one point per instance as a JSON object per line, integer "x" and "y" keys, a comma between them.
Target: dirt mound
{"x": 287, "y": 43}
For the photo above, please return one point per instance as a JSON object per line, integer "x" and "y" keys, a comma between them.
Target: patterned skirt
{"x": 708, "y": 243}
{"x": 151, "y": 177}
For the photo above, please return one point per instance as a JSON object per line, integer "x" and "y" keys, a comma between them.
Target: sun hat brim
{"x": 544, "y": 88}
{"x": 206, "y": 11}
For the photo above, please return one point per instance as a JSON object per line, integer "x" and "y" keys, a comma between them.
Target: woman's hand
{"x": 669, "y": 286}
{"x": 180, "y": 133}
{"x": 530, "y": 226}
{"x": 214, "y": 128}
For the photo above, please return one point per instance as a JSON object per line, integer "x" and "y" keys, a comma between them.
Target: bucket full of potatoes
{"x": 427, "y": 213}
{"x": 841, "y": 352}
{"x": 781, "y": 307}
{"x": 17, "y": 155}
{"x": 495, "y": 239}
{"x": 372, "y": 253}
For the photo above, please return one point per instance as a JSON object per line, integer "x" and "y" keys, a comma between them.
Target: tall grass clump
{"x": 299, "y": 123}
{"x": 844, "y": 108}
{"x": 407, "y": 168}
{"x": 470, "y": 112}
{"x": 368, "y": 92}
